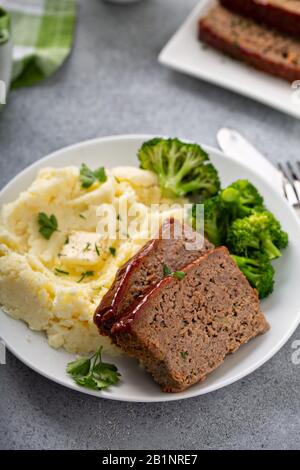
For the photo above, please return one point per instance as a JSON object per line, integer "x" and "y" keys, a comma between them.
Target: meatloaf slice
{"x": 245, "y": 40}
{"x": 175, "y": 247}
{"x": 283, "y": 15}
{"x": 184, "y": 327}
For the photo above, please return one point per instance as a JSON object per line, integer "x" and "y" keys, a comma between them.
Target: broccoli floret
{"x": 260, "y": 232}
{"x": 238, "y": 200}
{"x": 215, "y": 221}
{"x": 259, "y": 272}
{"x": 212, "y": 229}
{"x": 241, "y": 198}
{"x": 182, "y": 168}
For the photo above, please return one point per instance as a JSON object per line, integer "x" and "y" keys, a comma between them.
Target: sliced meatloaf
{"x": 245, "y": 40}
{"x": 175, "y": 247}
{"x": 185, "y": 326}
{"x": 283, "y": 15}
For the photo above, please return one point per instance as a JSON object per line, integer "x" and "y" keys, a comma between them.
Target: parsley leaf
{"x": 166, "y": 270}
{"x": 88, "y": 176}
{"x": 100, "y": 174}
{"x": 92, "y": 373}
{"x": 108, "y": 373}
{"x": 86, "y": 381}
{"x": 184, "y": 354}
{"x": 48, "y": 225}
{"x": 85, "y": 274}
{"x": 112, "y": 251}
{"x": 97, "y": 249}
{"x": 178, "y": 274}
{"x": 87, "y": 247}
{"x": 80, "y": 367}
{"x": 60, "y": 271}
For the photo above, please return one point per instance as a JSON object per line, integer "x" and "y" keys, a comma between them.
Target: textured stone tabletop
{"x": 113, "y": 84}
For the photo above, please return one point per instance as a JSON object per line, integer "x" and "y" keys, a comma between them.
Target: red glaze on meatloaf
{"x": 182, "y": 329}
{"x": 171, "y": 248}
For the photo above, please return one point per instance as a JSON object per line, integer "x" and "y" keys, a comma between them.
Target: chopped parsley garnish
{"x": 85, "y": 274}
{"x": 88, "y": 176}
{"x": 97, "y": 249}
{"x": 48, "y": 225}
{"x": 67, "y": 240}
{"x": 112, "y": 251}
{"x": 92, "y": 373}
{"x": 178, "y": 274}
{"x": 184, "y": 354}
{"x": 97, "y": 289}
{"x": 60, "y": 271}
{"x": 82, "y": 216}
{"x": 167, "y": 272}
{"x": 87, "y": 247}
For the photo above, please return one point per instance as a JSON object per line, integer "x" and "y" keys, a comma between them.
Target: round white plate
{"x": 282, "y": 308}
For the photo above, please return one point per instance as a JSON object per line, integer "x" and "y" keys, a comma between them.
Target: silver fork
{"x": 291, "y": 182}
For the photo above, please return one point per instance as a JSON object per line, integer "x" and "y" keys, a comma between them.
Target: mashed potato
{"x": 55, "y": 285}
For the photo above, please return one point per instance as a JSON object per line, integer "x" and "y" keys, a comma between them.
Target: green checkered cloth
{"x": 4, "y": 26}
{"x": 42, "y": 33}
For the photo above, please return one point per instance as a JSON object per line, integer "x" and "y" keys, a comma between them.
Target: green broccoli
{"x": 215, "y": 221}
{"x": 240, "y": 199}
{"x": 259, "y": 272}
{"x": 212, "y": 220}
{"x": 260, "y": 232}
{"x": 182, "y": 168}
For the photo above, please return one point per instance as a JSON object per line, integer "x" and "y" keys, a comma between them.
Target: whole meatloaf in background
{"x": 283, "y": 15}
{"x": 244, "y": 39}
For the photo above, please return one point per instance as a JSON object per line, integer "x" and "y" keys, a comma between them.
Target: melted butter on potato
{"x": 85, "y": 249}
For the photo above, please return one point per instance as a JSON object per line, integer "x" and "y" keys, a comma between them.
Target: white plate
{"x": 185, "y": 53}
{"x": 282, "y": 308}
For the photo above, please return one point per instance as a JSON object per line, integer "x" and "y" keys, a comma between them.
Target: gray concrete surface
{"x": 113, "y": 84}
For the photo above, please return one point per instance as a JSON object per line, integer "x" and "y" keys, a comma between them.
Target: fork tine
{"x": 292, "y": 171}
{"x": 289, "y": 190}
{"x": 295, "y": 179}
